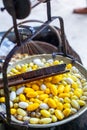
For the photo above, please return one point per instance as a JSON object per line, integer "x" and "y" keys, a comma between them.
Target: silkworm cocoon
{"x": 21, "y": 112}
{"x": 85, "y": 88}
{"x": 34, "y": 120}
{"x": 75, "y": 104}
{"x": 44, "y": 106}
{"x": 73, "y": 110}
{"x": 54, "y": 118}
{"x": 12, "y": 96}
{"x": 38, "y": 62}
{"x": 20, "y": 90}
{"x": 45, "y": 120}
{"x": 43, "y": 87}
{"x": 45, "y": 113}
{"x": 59, "y": 114}
{"x": 23, "y": 105}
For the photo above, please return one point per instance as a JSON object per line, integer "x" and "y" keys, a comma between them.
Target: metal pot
{"x": 68, "y": 119}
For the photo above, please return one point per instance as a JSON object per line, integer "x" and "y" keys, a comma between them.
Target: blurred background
{"x": 75, "y": 24}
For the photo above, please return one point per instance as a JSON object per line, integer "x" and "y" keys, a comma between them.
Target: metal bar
{"x": 33, "y": 6}
{"x": 4, "y": 72}
{"x": 5, "y": 65}
{"x": 15, "y": 26}
{"x": 64, "y": 45}
{"x": 44, "y": 26}
{"x": 5, "y": 82}
{"x": 37, "y": 3}
{"x": 48, "y": 10}
{"x": 35, "y": 75}
{"x": 38, "y": 31}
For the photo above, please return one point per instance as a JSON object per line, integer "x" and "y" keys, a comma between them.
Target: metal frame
{"x": 19, "y": 43}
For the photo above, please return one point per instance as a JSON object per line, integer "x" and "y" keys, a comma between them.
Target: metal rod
{"x": 63, "y": 39}
{"x": 5, "y": 82}
{"x": 37, "y": 3}
{"x": 39, "y": 30}
{"x": 15, "y": 25}
{"x": 5, "y": 65}
{"x": 48, "y": 10}
{"x": 64, "y": 45}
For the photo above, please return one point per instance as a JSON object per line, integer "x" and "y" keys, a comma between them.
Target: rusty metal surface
{"x": 35, "y": 75}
